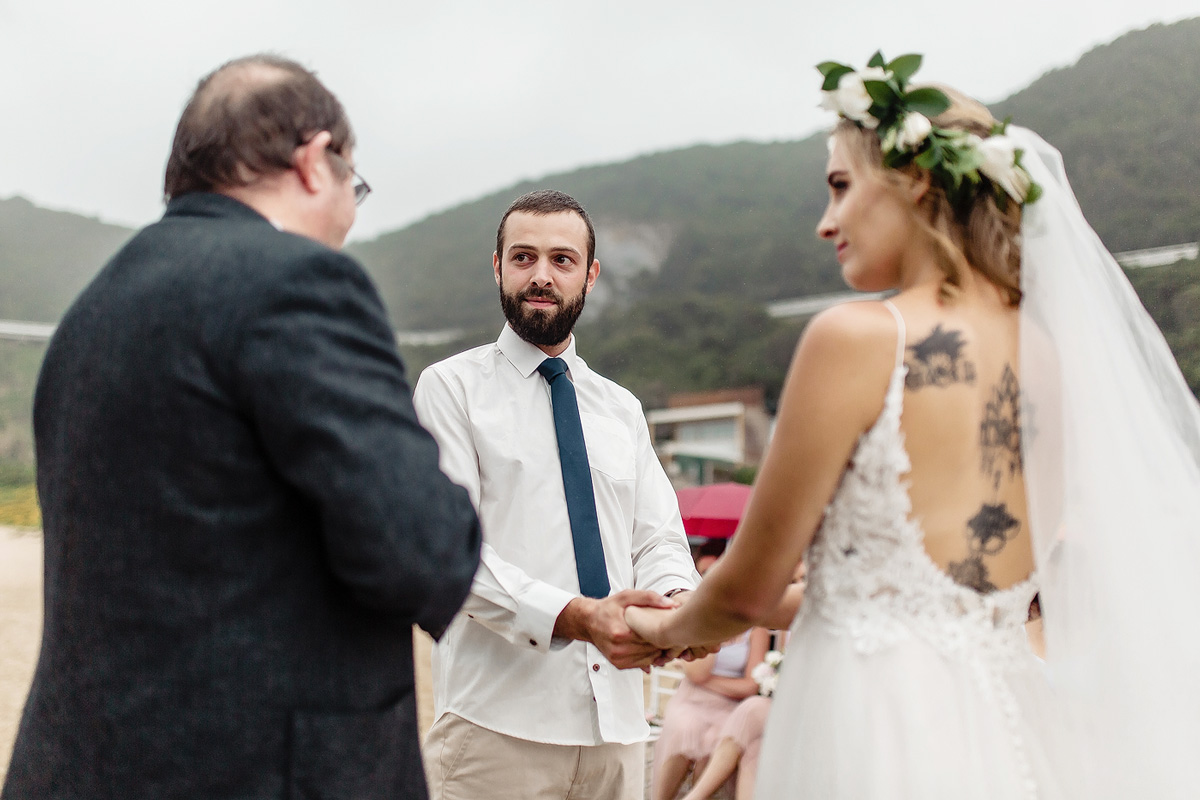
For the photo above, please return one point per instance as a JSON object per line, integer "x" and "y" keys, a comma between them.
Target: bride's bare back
{"x": 962, "y": 432}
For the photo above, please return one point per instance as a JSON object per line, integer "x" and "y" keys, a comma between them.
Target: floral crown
{"x": 878, "y": 98}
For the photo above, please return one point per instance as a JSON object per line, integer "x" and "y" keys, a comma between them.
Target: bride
{"x": 1008, "y": 425}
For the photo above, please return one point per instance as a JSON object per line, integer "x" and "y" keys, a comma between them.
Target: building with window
{"x": 705, "y": 437}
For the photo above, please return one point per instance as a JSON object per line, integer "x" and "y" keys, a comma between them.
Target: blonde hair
{"x": 980, "y": 235}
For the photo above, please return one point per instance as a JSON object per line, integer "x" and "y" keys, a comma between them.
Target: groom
{"x": 534, "y": 694}
{"x": 243, "y": 519}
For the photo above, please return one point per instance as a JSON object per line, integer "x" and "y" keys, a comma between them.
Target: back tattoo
{"x": 937, "y": 361}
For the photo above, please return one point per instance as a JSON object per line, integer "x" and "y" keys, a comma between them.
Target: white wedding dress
{"x": 899, "y": 682}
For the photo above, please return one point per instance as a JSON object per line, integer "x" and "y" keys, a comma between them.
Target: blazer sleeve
{"x": 318, "y": 370}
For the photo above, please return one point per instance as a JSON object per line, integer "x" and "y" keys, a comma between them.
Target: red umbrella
{"x": 713, "y": 511}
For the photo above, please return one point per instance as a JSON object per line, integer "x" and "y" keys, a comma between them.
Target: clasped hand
{"x": 603, "y": 622}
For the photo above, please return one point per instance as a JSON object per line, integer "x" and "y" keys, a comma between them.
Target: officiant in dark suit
{"x": 242, "y": 516}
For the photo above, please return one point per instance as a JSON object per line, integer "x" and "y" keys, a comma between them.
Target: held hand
{"x": 648, "y": 623}
{"x": 651, "y": 624}
{"x": 602, "y": 622}
{"x": 698, "y": 651}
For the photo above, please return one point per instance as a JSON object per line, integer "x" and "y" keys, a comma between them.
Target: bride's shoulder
{"x": 843, "y": 363}
{"x": 861, "y": 328}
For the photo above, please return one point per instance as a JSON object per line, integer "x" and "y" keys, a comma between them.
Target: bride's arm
{"x": 834, "y": 391}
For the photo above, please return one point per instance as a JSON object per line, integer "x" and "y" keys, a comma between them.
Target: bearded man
{"x": 534, "y": 686}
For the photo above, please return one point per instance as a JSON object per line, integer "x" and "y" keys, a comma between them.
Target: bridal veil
{"x": 1111, "y": 440}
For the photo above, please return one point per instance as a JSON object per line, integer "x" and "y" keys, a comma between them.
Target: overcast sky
{"x": 453, "y": 100}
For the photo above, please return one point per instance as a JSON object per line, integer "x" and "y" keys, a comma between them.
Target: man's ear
{"x": 496, "y": 267}
{"x": 311, "y": 163}
{"x": 593, "y": 273}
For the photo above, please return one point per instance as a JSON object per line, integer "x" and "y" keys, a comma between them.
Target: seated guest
{"x": 711, "y": 690}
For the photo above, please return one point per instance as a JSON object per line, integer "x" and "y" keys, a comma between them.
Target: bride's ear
{"x": 918, "y": 186}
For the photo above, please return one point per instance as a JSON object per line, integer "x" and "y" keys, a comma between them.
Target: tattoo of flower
{"x": 937, "y": 360}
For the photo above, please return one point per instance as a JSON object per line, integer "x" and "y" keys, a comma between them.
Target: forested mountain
{"x": 739, "y": 219}
{"x": 47, "y": 257}
{"x": 1126, "y": 118}
{"x": 694, "y": 241}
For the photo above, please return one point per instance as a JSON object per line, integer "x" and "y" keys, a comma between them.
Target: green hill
{"x": 738, "y": 219}
{"x": 47, "y": 257}
{"x": 1126, "y": 117}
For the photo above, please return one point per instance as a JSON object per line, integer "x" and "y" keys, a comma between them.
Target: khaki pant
{"x": 466, "y": 762}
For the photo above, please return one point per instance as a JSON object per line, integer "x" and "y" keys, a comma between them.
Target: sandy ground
{"x": 20, "y": 628}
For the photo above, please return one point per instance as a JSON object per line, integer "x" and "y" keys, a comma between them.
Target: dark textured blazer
{"x": 243, "y": 519}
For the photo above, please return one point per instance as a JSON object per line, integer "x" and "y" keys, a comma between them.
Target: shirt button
{"x": 533, "y": 642}
{"x": 595, "y": 667}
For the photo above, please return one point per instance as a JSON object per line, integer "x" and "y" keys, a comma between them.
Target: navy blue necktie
{"x": 577, "y": 480}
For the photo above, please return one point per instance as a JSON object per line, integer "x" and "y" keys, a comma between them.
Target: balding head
{"x": 245, "y": 120}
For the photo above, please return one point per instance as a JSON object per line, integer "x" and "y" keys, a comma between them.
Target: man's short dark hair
{"x": 547, "y": 201}
{"x": 246, "y": 119}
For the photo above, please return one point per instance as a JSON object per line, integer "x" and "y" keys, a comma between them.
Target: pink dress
{"x": 694, "y": 717}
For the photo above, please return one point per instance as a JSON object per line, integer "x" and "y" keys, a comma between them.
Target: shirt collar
{"x": 526, "y": 357}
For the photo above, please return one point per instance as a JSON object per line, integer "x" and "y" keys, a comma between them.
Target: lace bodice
{"x": 870, "y": 577}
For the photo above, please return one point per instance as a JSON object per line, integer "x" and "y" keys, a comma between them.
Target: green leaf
{"x": 833, "y": 76}
{"x": 930, "y": 157}
{"x": 904, "y": 67}
{"x": 877, "y": 60}
{"x": 1035, "y": 191}
{"x": 927, "y": 100}
{"x": 880, "y": 92}
{"x": 826, "y": 67}
{"x": 967, "y": 159}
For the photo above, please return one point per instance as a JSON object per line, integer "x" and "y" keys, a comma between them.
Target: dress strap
{"x": 899, "y": 324}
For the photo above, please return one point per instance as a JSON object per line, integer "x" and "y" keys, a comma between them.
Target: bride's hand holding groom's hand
{"x": 651, "y": 624}
{"x": 648, "y": 623}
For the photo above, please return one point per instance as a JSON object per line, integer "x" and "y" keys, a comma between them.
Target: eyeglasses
{"x": 361, "y": 187}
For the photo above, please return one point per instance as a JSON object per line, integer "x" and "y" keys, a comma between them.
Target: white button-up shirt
{"x": 490, "y": 411}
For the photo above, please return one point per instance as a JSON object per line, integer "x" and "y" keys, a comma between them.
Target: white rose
{"x": 1000, "y": 164}
{"x": 850, "y": 99}
{"x": 914, "y": 129}
{"x": 874, "y": 74}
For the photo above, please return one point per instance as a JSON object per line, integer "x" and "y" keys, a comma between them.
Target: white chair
{"x": 662, "y": 683}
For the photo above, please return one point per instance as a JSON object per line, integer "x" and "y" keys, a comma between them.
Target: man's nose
{"x": 542, "y": 273}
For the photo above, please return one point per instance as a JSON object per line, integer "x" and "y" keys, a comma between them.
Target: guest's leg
{"x": 756, "y": 713}
{"x": 721, "y": 764}
{"x": 668, "y": 776}
{"x": 747, "y": 772}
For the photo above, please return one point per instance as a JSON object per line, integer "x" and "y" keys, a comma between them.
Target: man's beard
{"x": 544, "y": 327}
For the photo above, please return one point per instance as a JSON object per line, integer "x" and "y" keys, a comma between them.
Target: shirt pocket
{"x": 609, "y": 446}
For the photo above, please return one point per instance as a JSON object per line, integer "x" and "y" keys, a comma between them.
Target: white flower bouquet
{"x": 766, "y": 674}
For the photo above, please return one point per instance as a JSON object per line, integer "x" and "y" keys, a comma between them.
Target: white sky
{"x": 452, "y": 100}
